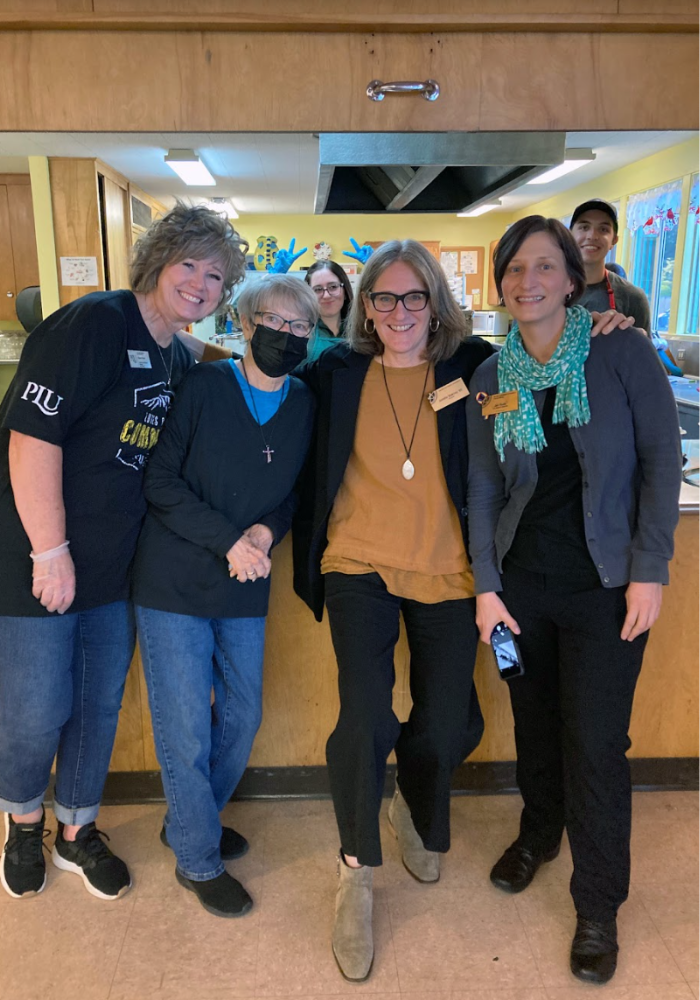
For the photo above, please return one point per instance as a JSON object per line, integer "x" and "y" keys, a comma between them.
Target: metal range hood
{"x": 428, "y": 171}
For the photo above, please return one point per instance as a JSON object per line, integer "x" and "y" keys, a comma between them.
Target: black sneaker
{"x": 104, "y": 875}
{"x": 233, "y": 845}
{"x": 223, "y": 896}
{"x": 22, "y": 866}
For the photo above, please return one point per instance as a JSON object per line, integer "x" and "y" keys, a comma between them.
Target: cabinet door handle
{"x": 10, "y": 295}
{"x": 377, "y": 91}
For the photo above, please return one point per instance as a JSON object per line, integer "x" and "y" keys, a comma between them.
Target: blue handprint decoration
{"x": 361, "y": 254}
{"x": 285, "y": 259}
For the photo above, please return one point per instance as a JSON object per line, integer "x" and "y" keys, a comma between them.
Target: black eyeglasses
{"x": 386, "y": 302}
{"x": 332, "y": 288}
{"x": 299, "y": 327}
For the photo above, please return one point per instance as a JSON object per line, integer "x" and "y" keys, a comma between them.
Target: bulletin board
{"x": 432, "y": 246}
{"x": 464, "y": 266}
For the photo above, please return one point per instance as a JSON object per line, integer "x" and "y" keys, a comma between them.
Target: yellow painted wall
{"x": 336, "y": 230}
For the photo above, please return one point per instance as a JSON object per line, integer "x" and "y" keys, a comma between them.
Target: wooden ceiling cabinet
{"x": 19, "y": 266}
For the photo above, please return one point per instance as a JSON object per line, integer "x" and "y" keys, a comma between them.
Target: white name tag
{"x": 139, "y": 359}
{"x": 447, "y": 394}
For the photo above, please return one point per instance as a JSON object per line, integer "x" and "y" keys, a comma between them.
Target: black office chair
{"x": 28, "y": 307}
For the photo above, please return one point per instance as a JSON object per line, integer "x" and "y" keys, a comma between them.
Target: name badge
{"x": 500, "y": 402}
{"x": 139, "y": 359}
{"x": 447, "y": 394}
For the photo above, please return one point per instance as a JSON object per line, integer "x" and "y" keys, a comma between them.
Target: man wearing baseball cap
{"x": 594, "y": 227}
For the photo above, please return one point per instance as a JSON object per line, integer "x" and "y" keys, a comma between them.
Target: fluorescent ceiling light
{"x": 480, "y": 210}
{"x": 223, "y": 206}
{"x": 575, "y": 158}
{"x": 188, "y": 166}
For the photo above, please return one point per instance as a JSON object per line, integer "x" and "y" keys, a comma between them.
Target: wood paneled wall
{"x": 301, "y": 700}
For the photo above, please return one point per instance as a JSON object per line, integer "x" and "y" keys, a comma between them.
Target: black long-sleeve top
{"x": 207, "y": 481}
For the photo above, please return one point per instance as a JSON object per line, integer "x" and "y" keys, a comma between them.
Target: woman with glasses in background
{"x": 381, "y": 532}
{"x": 329, "y": 283}
{"x": 219, "y": 488}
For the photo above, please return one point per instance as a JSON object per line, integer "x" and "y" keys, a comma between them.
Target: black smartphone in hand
{"x": 505, "y": 649}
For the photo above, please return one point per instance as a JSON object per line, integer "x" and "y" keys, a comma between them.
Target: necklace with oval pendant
{"x": 408, "y": 469}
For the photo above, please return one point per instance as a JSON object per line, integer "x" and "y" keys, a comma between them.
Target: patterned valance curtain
{"x": 655, "y": 210}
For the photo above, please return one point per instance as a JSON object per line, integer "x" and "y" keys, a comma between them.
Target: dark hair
{"x": 515, "y": 236}
{"x": 188, "y": 231}
{"x": 452, "y": 329}
{"x": 339, "y": 272}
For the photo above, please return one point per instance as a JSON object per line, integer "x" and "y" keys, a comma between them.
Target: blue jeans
{"x": 61, "y": 685}
{"x": 202, "y": 748}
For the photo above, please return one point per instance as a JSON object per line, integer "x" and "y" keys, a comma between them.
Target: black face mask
{"x": 275, "y": 352}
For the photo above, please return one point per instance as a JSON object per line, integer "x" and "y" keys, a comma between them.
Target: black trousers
{"x": 572, "y": 712}
{"x": 445, "y": 723}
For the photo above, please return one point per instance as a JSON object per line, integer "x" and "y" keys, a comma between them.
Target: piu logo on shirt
{"x": 47, "y": 400}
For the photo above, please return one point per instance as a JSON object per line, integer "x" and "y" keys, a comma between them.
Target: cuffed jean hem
{"x": 199, "y": 877}
{"x": 22, "y": 808}
{"x": 75, "y": 817}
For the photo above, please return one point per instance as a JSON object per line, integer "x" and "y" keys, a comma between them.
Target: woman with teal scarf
{"x": 574, "y": 479}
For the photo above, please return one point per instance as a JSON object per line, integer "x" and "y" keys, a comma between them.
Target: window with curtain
{"x": 652, "y": 221}
{"x": 688, "y": 305}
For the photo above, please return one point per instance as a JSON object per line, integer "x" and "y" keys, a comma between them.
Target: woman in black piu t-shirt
{"x": 219, "y": 488}
{"x": 84, "y": 410}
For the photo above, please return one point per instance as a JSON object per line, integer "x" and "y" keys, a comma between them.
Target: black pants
{"x": 445, "y": 723}
{"x": 572, "y": 712}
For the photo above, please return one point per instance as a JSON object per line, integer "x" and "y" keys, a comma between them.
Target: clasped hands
{"x": 249, "y": 558}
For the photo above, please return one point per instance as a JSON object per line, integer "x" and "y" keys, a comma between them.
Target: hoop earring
{"x": 568, "y": 298}
{"x": 369, "y": 329}
{"x": 434, "y": 328}
{"x": 501, "y": 301}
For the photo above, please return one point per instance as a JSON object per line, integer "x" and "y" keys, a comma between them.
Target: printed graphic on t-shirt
{"x": 46, "y": 399}
{"x": 140, "y": 432}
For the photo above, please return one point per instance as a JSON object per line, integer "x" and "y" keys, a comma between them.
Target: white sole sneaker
{"x": 15, "y": 895}
{"x": 70, "y": 866}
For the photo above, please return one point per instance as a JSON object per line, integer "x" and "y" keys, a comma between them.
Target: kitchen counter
{"x": 301, "y": 699}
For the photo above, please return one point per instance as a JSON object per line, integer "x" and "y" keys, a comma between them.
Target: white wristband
{"x": 50, "y": 553}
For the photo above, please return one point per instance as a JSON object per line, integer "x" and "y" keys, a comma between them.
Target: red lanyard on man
{"x": 611, "y": 293}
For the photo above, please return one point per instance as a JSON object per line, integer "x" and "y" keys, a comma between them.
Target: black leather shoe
{"x": 517, "y": 866}
{"x": 594, "y": 951}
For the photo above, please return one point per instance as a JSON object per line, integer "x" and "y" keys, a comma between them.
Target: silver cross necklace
{"x": 267, "y": 450}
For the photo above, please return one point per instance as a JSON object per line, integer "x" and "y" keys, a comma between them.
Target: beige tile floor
{"x": 457, "y": 940}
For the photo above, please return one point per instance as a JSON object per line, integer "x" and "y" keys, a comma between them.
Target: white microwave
{"x": 492, "y": 324}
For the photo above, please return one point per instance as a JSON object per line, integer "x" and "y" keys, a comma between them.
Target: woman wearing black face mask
{"x": 220, "y": 492}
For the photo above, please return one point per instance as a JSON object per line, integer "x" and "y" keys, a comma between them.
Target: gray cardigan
{"x": 630, "y": 460}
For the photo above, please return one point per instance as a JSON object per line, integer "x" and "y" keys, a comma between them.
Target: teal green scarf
{"x": 517, "y": 370}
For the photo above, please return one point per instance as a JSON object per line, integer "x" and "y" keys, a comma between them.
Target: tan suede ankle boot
{"x": 353, "y": 945}
{"x": 422, "y": 864}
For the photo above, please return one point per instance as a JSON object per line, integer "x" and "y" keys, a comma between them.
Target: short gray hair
{"x": 262, "y": 295}
{"x": 188, "y": 231}
{"x": 452, "y": 330}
